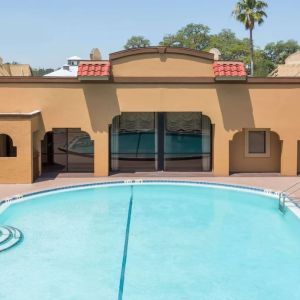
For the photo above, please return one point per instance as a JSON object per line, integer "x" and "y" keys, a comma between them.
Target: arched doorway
{"x": 67, "y": 150}
{"x": 165, "y": 141}
{"x": 7, "y": 148}
{"x": 255, "y": 151}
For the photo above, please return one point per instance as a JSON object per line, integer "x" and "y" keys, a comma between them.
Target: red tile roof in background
{"x": 91, "y": 69}
{"x": 229, "y": 69}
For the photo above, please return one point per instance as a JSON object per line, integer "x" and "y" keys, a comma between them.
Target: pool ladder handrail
{"x": 287, "y": 194}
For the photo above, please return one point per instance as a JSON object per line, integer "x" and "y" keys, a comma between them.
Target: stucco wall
{"x": 239, "y": 163}
{"x": 162, "y": 65}
{"x": 17, "y": 169}
{"x": 92, "y": 106}
{"x": 231, "y": 108}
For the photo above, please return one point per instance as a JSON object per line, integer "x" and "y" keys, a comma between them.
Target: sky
{"x": 44, "y": 33}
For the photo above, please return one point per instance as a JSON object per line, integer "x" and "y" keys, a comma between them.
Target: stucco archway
{"x": 7, "y": 148}
{"x": 240, "y": 161}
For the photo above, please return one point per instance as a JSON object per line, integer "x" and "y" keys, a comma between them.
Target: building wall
{"x": 162, "y": 65}
{"x": 17, "y": 169}
{"x": 92, "y": 106}
{"x": 239, "y": 163}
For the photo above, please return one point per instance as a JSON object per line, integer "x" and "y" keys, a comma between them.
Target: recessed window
{"x": 7, "y": 148}
{"x": 257, "y": 143}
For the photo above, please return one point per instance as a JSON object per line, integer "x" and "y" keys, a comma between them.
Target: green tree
{"x": 250, "y": 12}
{"x": 278, "y": 52}
{"x": 41, "y": 71}
{"x": 264, "y": 66}
{"x": 137, "y": 41}
{"x": 193, "y": 36}
{"x": 231, "y": 47}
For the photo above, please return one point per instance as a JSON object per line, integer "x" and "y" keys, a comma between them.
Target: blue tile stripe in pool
{"x": 124, "y": 260}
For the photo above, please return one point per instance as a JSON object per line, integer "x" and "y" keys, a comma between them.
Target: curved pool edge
{"x": 6, "y": 202}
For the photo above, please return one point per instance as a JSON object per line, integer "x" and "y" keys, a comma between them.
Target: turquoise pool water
{"x": 184, "y": 242}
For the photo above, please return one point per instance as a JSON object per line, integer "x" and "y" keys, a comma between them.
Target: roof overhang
{"x": 25, "y": 115}
{"x": 231, "y": 78}
{"x": 161, "y": 50}
{"x": 93, "y": 78}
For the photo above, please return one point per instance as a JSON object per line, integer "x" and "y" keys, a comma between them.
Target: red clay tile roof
{"x": 89, "y": 69}
{"x": 229, "y": 69}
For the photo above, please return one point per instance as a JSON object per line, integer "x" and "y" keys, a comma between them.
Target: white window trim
{"x": 268, "y": 148}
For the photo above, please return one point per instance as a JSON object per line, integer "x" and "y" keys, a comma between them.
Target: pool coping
{"x": 6, "y": 202}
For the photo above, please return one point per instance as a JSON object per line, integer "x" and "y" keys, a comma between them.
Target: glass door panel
{"x": 179, "y": 141}
{"x": 132, "y": 144}
{"x": 187, "y": 145}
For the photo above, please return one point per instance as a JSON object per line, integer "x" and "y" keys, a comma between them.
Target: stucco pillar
{"x": 101, "y": 159}
{"x": 289, "y": 157}
{"x": 220, "y": 154}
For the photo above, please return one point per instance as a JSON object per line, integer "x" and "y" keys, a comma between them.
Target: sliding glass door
{"x": 133, "y": 146}
{"x": 187, "y": 143}
{"x": 67, "y": 150}
{"x": 177, "y": 141}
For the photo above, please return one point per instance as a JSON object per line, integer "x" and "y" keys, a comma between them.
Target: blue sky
{"x": 44, "y": 32}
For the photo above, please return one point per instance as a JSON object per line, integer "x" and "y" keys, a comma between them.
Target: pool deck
{"x": 267, "y": 181}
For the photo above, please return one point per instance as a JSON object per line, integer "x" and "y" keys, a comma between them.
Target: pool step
{"x": 9, "y": 237}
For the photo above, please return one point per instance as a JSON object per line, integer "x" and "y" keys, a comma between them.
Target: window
{"x": 257, "y": 143}
{"x": 67, "y": 150}
{"x": 169, "y": 141}
{"x": 7, "y": 148}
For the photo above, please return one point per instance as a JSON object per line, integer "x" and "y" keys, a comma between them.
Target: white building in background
{"x": 68, "y": 70}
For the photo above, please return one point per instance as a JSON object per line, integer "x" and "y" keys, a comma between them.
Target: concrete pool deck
{"x": 266, "y": 181}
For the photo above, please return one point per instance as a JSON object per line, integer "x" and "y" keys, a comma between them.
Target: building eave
{"x": 19, "y": 114}
{"x": 161, "y": 50}
{"x": 141, "y": 80}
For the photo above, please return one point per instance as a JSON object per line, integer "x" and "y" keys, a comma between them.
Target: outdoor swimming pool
{"x": 181, "y": 242}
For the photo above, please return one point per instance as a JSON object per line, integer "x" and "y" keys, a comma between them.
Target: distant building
{"x": 14, "y": 69}
{"x": 291, "y": 68}
{"x": 68, "y": 70}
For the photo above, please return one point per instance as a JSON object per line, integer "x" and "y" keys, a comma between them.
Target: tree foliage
{"x": 197, "y": 36}
{"x": 278, "y": 52}
{"x": 137, "y": 41}
{"x": 194, "y": 36}
{"x": 41, "y": 71}
{"x": 231, "y": 47}
{"x": 249, "y": 13}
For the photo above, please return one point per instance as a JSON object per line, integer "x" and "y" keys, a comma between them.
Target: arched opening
{"x": 67, "y": 150}
{"x": 255, "y": 151}
{"x": 7, "y": 149}
{"x": 164, "y": 141}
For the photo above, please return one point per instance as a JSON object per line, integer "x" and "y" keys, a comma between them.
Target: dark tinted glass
{"x": 133, "y": 142}
{"x": 187, "y": 142}
{"x": 68, "y": 150}
{"x": 257, "y": 142}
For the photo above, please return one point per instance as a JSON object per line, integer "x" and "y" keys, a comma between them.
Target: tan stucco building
{"x": 149, "y": 109}
{"x": 291, "y": 67}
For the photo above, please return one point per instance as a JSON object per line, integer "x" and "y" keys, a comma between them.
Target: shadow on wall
{"x": 236, "y": 107}
{"x": 239, "y": 163}
{"x": 102, "y": 104}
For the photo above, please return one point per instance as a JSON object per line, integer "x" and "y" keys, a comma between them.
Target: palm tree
{"x": 250, "y": 12}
